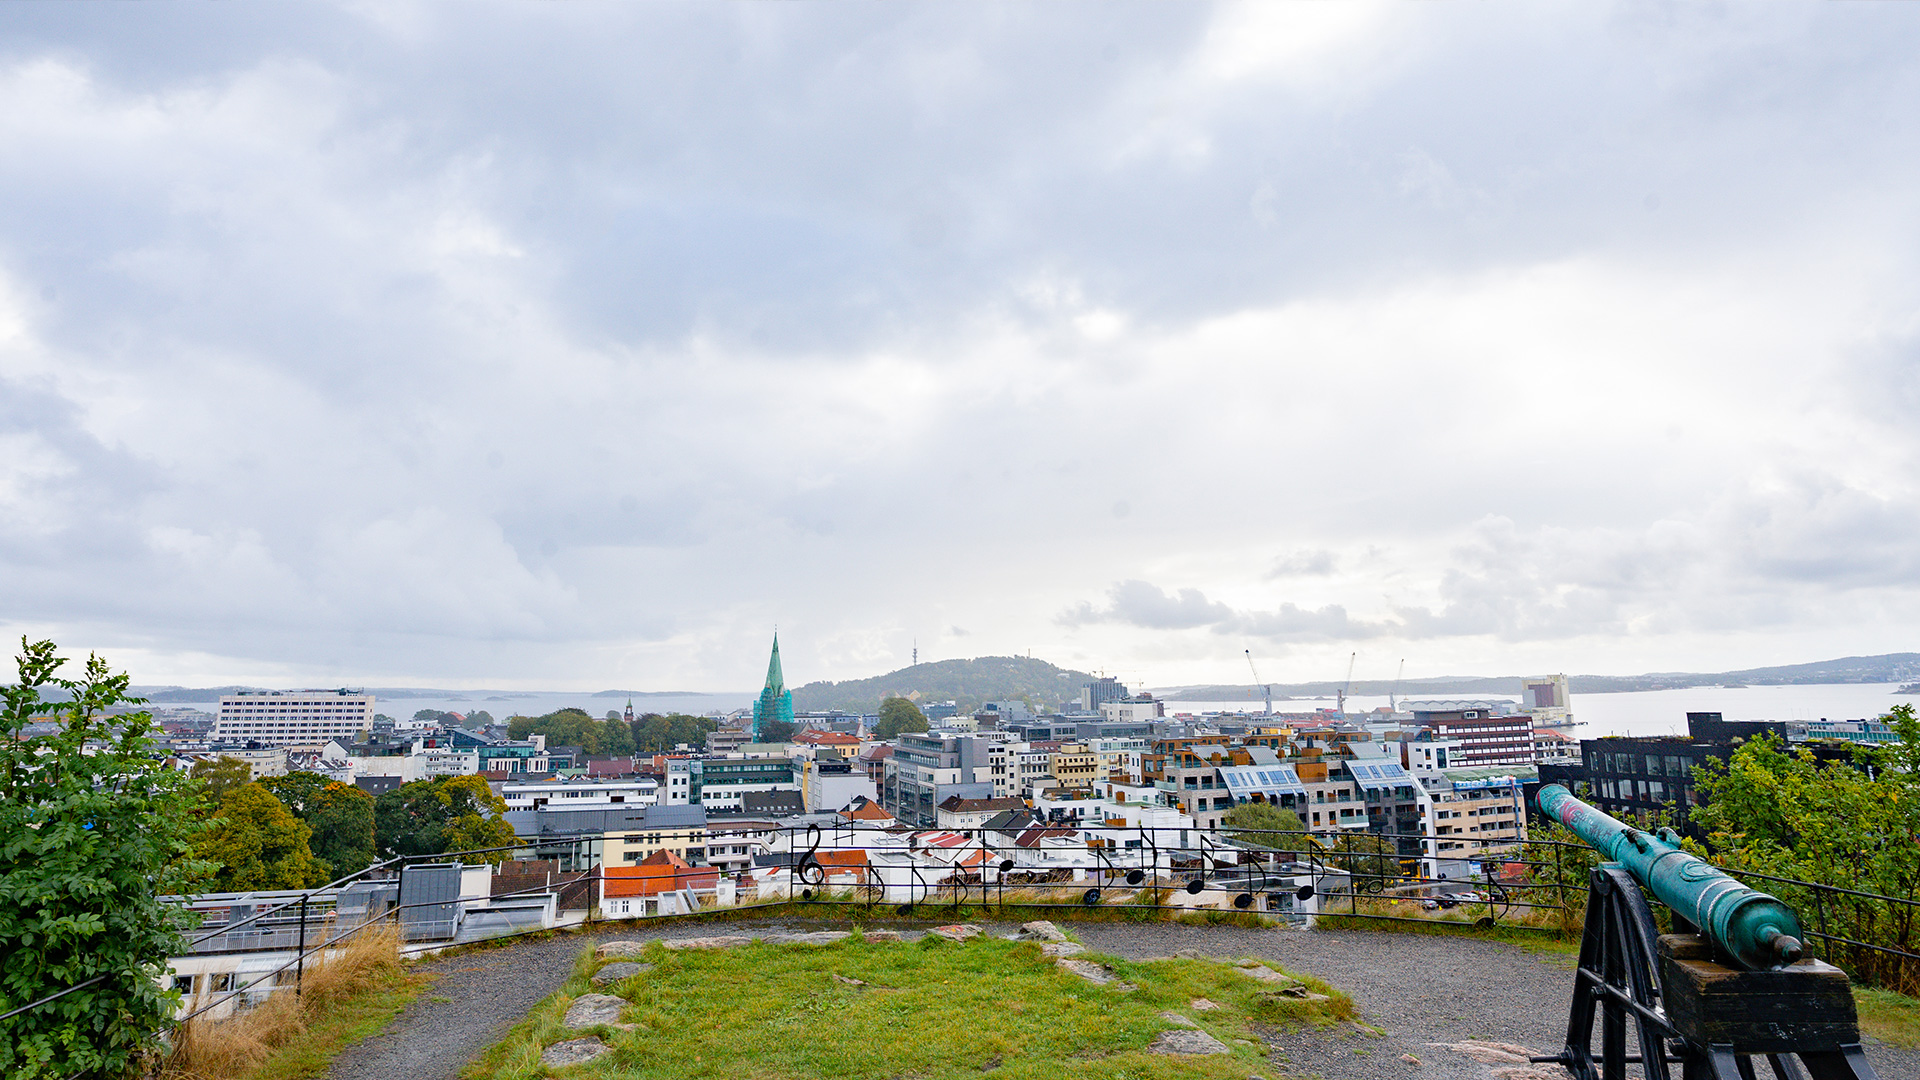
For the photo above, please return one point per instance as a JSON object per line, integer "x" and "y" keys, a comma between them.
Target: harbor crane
{"x": 1265, "y": 688}
{"x": 1348, "y": 685}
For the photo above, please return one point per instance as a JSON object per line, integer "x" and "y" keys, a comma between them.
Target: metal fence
{"x": 1535, "y": 885}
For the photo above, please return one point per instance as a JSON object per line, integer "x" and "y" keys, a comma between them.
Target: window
{"x": 222, "y": 982}
{"x": 183, "y": 983}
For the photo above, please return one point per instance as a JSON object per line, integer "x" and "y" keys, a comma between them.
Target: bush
{"x": 93, "y": 829}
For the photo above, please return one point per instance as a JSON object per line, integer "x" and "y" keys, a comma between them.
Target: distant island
{"x": 1892, "y": 667}
{"x": 970, "y": 683}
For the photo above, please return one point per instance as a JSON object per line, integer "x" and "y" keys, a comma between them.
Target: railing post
{"x": 300, "y": 962}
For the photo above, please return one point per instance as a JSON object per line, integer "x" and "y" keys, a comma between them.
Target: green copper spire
{"x": 776, "y": 701}
{"x": 776, "y": 681}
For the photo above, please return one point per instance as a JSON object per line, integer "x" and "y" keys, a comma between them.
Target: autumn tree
{"x": 219, "y": 776}
{"x": 259, "y": 844}
{"x": 340, "y": 815}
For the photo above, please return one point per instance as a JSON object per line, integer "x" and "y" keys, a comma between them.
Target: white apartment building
{"x": 580, "y": 794}
{"x": 294, "y": 717}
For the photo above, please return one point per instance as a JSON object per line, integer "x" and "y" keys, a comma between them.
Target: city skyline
{"x": 533, "y": 346}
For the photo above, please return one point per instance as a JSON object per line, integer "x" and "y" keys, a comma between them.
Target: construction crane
{"x": 1393, "y": 695}
{"x": 1265, "y": 688}
{"x": 1348, "y": 685}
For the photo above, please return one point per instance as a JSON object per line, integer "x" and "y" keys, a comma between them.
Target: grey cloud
{"x": 1137, "y": 603}
{"x": 1303, "y": 562}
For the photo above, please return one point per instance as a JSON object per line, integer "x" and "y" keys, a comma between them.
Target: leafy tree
{"x": 259, "y": 844}
{"x": 574, "y": 727}
{"x": 93, "y": 830}
{"x": 450, "y": 813}
{"x": 1851, "y": 824}
{"x": 778, "y": 731}
{"x": 219, "y": 776}
{"x": 899, "y": 716}
{"x": 1372, "y": 859}
{"x": 340, "y": 815}
{"x": 656, "y": 734}
{"x": 1264, "y": 824}
{"x": 478, "y": 719}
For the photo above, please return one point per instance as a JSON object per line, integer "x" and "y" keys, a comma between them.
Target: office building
{"x": 294, "y": 717}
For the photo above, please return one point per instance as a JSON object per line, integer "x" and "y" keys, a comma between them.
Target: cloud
{"x": 409, "y": 344}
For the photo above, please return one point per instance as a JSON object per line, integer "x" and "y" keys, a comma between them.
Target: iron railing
{"x": 1537, "y": 885}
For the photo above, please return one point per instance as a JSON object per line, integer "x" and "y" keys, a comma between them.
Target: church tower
{"x": 776, "y": 701}
{"x": 629, "y": 711}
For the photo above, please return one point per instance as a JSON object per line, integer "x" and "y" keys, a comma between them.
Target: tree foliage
{"x": 778, "y": 731}
{"x": 340, "y": 815}
{"x": 573, "y": 727}
{"x": 656, "y": 734}
{"x": 899, "y": 716}
{"x": 1853, "y": 824}
{"x": 93, "y": 829}
{"x": 259, "y": 844}
{"x": 449, "y": 813}
{"x": 1264, "y": 824}
{"x": 219, "y": 776}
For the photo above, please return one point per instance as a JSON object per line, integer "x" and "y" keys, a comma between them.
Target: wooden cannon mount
{"x": 1690, "y": 1010}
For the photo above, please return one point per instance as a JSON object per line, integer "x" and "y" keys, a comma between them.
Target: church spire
{"x": 776, "y": 701}
{"x": 776, "y": 680}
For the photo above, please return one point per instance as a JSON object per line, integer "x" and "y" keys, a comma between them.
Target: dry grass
{"x": 361, "y": 983}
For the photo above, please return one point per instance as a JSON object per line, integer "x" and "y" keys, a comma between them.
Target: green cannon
{"x": 1727, "y": 987}
{"x": 1754, "y": 930}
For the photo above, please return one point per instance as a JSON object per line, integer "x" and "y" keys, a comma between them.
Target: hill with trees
{"x": 971, "y": 683}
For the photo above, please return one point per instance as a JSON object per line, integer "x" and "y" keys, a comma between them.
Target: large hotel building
{"x": 294, "y": 717}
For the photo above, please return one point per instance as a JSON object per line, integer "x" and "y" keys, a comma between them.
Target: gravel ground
{"x": 1413, "y": 991}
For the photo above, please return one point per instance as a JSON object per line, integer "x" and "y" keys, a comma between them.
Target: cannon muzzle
{"x": 1753, "y": 930}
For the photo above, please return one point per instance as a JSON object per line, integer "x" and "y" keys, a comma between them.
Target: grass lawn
{"x": 1892, "y": 1018}
{"x": 931, "y": 1010}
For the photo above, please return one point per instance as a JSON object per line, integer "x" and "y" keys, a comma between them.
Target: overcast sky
{"x": 578, "y": 345}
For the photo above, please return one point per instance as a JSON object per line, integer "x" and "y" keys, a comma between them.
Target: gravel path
{"x": 1413, "y": 991}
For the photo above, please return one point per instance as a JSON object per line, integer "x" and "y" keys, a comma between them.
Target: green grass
{"x": 341, "y": 1024}
{"x": 848, "y": 905}
{"x": 1892, "y": 1018}
{"x": 933, "y": 1010}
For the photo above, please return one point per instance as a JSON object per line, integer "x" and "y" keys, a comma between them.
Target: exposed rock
{"x": 1265, "y": 974}
{"x": 1055, "y": 950}
{"x": 819, "y": 937}
{"x": 573, "y": 1052}
{"x": 1177, "y": 1020}
{"x": 1187, "y": 1042}
{"x": 620, "y": 948}
{"x": 957, "y": 931}
{"x": 1041, "y": 930}
{"x": 1490, "y": 1053}
{"x": 1203, "y": 1005}
{"x": 614, "y": 973}
{"x": 882, "y": 935}
{"x": 726, "y": 941}
{"x": 839, "y": 978}
{"x": 1410, "y": 1059}
{"x": 1289, "y": 994}
{"x": 592, "y": 1010}
{"x": 1191, "y": 954}
{"x": 1095, "y": 974}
